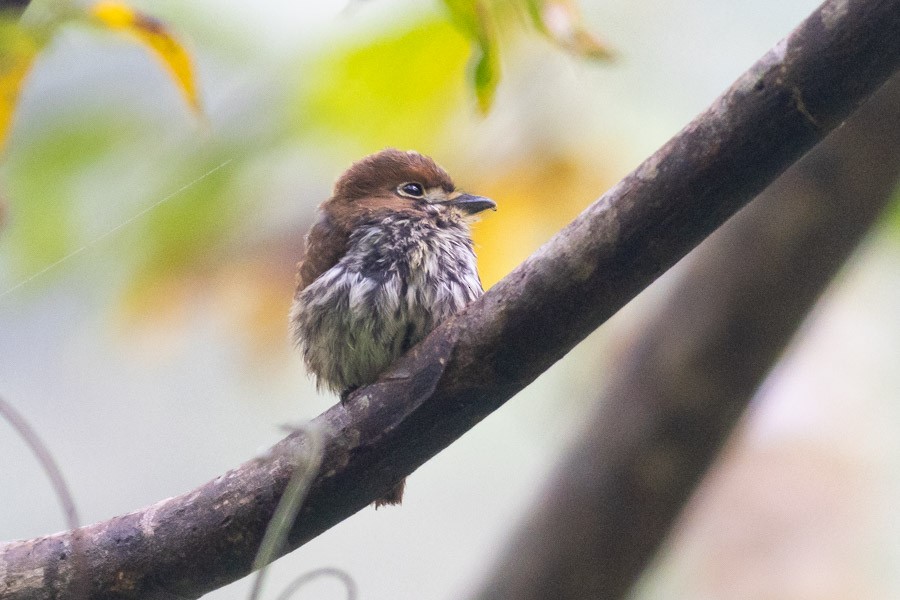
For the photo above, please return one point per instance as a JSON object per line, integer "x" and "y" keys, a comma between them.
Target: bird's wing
{"x": 326, "y": 243}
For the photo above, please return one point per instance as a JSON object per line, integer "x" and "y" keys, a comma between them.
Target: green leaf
{"x": 398, "y": 89}
{"x": 474, "y": 18}
{"x": 487, "y": 77}
{"x": 464, "y": 16}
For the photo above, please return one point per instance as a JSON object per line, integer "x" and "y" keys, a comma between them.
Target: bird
{"x": 389, "y": 258}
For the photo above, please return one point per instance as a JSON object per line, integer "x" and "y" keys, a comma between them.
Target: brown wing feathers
{"x": 326, "y": 243}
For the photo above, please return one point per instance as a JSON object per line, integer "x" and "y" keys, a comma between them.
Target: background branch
{"x": 694, "y": 368}
{"x": 185, "y": 546}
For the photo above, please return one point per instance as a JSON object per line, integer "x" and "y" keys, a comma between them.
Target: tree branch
{"x": 694, "y": 368}
{"x": 185, "y": 546}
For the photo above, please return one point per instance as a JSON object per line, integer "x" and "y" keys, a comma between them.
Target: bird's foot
{"x": 346, "y": 393}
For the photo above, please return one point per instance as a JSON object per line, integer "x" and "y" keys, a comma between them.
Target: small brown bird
{"x": 389, "y": 259}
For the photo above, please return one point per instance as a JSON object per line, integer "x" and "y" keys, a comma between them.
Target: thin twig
{"x": 60, "y": 488}
{"x": 338, "y": 574}
{"x": 308, "y": 458}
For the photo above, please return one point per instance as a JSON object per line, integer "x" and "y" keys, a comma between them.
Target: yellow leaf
{"x": 153, "y": 34}
{"x": 17, "y": 53}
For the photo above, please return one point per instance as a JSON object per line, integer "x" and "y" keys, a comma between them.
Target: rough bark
{"x": 694, "y": 368}
{"x": 185, "y": 546}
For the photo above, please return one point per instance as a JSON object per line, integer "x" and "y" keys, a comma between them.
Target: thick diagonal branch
{"x": 188, "y": 545}
{"x": 694, "y": 368}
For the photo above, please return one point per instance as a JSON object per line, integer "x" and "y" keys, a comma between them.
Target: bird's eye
{"x": 413, "y": 190}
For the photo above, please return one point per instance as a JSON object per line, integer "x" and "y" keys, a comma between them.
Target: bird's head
{"x": 396, "y": 182}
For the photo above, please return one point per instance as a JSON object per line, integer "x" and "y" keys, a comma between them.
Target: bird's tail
{"x": 394, "y": 496}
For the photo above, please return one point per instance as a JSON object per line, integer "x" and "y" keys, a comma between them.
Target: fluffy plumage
{"x": 390, "y": 258}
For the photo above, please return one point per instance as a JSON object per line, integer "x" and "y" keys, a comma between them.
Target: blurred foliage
{"x": 398, "y": 88}
{"x": 186, "y": 230}
{"x": 893, "y": 215}
{"x": 561, "y": 22}
{"x": 481, "y": 21}
{"x": 403, "y": 85}
{"x": 22, "y": 40}
{"x": 45, "y": 227}
{"x": 475, "y": 20}
{"x": 153, "y": 34}
{"x": 526, "y": 217}
{"x": 17, "y": 52}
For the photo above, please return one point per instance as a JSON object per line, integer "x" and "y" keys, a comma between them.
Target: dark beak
{"x": 472, "y": 204}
